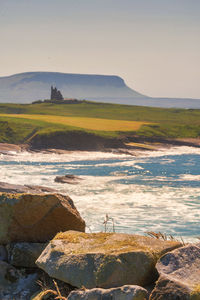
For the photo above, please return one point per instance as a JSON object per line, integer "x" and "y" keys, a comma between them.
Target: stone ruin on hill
{"x": 56, "y": 94}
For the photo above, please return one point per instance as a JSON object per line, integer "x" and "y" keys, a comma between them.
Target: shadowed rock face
{"x": 179, "y": 275}
{"x": 14, "y": 284}
{"x": 36, "y": 217}
{"x": 74, "y": 141}
{"x": 103, "y": 259}
{"x": 24, "y": 254}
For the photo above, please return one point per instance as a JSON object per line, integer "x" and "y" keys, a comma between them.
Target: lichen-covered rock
{"x": 24, "y": 254}
{"x": 179, "y": 275}
{"x": 36, "y": 217}
{"x": 103, "y": 259}
{"x": 126, "y": 292}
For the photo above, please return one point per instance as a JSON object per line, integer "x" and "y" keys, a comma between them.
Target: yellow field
{"x": 86, "y": 123}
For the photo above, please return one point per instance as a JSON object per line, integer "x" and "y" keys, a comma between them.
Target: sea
{"x": 154, "y": 191}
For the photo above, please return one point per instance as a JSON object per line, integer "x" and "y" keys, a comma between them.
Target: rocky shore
{"x": 88, "y": 142}
{"x": 46, "y": 254}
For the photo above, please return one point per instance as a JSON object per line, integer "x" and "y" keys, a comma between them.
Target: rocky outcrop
{"x": 126, "y": 292}
{"x": 17, "y": 188}
{"x": 36, "y": 217}
{"x": 73, "y": 140}
{"x": 179, "y": 275}
{"x": 69, "y": 178}
{"x": 103, "y": 259}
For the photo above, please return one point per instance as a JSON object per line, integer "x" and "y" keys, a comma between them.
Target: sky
{"x": 154, "y": 45}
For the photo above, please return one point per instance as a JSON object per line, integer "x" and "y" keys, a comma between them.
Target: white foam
{"x": 134, "y": 207}
{"x": 55, "y": 157}
{"x": 178, "y": 150}
{"x": 190, "y": 177}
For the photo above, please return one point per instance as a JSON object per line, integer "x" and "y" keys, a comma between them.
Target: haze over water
{"x": 154, "y": 191}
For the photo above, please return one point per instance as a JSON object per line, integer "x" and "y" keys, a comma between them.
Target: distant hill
{"x": 31, "y": 86}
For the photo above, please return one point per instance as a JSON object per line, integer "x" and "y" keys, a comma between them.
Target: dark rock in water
{"x": 24, "y": 254}
{"x": 17, "y": 188}
{"x": 36, "y": 217}
{"x": 126, "y": 292}
{"x": 70, "y": 179}
{"x": 179, "y": 275}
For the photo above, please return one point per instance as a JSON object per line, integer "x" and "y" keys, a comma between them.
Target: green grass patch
{"x": 155, "y": 122}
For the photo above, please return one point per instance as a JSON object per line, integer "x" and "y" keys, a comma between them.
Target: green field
{"x": 20, "y": 122}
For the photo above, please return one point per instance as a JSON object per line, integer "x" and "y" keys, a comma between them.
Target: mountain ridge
{"x": 30, "y": 86}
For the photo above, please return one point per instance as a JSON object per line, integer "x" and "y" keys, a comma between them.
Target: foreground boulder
{"x": 36, "y": 217}
{"x": 103, "y": 259}
{"x": 126, "y": 292}
{"x": 179, "y": 275}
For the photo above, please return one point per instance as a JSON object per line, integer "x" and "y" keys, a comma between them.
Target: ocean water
{"x": 154, "y": 191}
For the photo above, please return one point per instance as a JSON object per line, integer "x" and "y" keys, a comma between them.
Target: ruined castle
{"x": 56, "y": 94}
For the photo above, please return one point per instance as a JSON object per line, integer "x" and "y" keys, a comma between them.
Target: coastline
{"x": 129, "y": 147}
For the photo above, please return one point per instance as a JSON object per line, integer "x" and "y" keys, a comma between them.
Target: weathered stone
{"x": 17, "y": 188}
{"x": 24, "y": 254}
{"x": 3, "y": 253}
{"x": 15, "y": 285}
{"x": 126, "y": 292}
{"x": 36, "y": 217}
{"x": 103, "y": 259}
{"x": 70, "y": 179}
{"x": 179, "y": 275}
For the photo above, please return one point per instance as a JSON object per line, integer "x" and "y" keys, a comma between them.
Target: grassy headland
{"x": 25, "y": 123}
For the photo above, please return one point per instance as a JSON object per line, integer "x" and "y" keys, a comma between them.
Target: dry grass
{"x": 51, "y": 289}
{"x": 140, "y": 145}
{"x": 86, "y": 123}
{"x": 164, "y": 237}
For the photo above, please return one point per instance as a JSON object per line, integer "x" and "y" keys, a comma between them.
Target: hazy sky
{"x": 153, "y": 44}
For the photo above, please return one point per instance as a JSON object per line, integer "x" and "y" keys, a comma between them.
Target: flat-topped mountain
{"x": 26, "y": 87}
{"x": 31, "y": 86}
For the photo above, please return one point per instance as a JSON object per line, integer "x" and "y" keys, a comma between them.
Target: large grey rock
{"x": 24, "y": 254}
{"x": 36, "y": 217}
{"x": 126, "y": 292}
{"x": 103, "y": 259}
{"x": 15, "y": 285}
{"x": 179, "y": 275}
